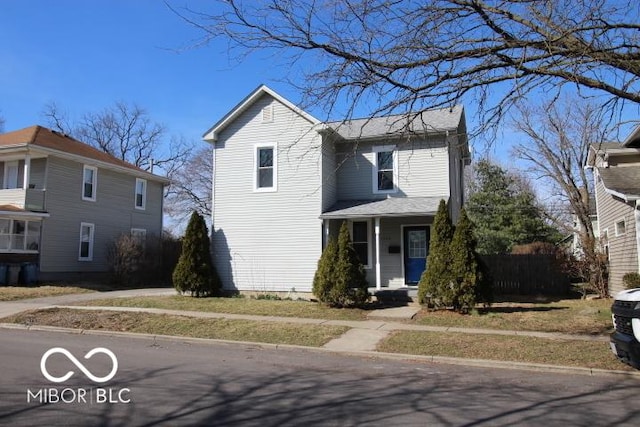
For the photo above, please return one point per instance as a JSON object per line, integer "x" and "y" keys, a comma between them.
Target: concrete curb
{"x": 480, "y": 363}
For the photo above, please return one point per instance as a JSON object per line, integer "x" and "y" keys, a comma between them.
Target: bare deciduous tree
{"x": 407, "y": 55}
{"x": 191, "y": 186}
{"x": 124, "y": 131}
{"x": 558, "y": 137}
{"x": 128, "y": 133}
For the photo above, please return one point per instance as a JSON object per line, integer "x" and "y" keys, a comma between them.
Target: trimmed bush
{"x": 437, "y": 275}
{"x": 340, "y": 280}
{"x": 324, "y": 279}
{"x": 631, "y": 280}
{"x": 194, "y": 272}
{"x": 465, "y": 270}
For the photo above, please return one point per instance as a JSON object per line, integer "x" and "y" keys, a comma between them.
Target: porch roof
{"x": 622, "y": 181}
{"x": 12, "y": 210}
{"x": 390, "y": 207}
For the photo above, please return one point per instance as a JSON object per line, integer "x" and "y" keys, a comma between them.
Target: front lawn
{"x": 161, "y": 324}
{"x": 258, "y": 307}
{"x": 586, "y": 354}
{"x": 14, "y": 293}
{"x": 571, "y": 316}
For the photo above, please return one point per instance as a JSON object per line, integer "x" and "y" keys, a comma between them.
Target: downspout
{"x": 636, "y": 215}
{"x": 377, "y": 232}
{"x": 213, "y": 184}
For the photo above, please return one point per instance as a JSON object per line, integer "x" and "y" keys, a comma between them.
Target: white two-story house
{"x": 284, "y": 182}
{"x": 63, "y": 202}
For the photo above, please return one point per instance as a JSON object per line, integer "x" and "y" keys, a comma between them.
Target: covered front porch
{"x": 390, "y": 235}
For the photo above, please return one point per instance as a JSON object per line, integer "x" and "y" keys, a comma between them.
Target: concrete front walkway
{"x": 362, "y": 337}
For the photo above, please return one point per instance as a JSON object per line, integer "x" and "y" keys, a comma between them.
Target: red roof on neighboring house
{"x": 39, "y": 136}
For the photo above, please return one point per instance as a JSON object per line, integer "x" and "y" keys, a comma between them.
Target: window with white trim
{"x": 141, "y": 193}
{"x": 361, "y": 241}
{"x": 19, "y": 235}
{"x": 621, "y": 227}
{"x": 265, "y": 167}
{"x": 385, "y": 169}
{"x": 89, "y": 183}
{"x": 85, "y": 250}
{"x": 11, "y": 174}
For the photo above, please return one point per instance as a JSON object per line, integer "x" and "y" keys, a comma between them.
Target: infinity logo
{"x": 76, "y": 362}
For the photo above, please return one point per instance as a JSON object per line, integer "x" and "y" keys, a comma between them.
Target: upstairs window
{"x": 141, "y": 193}
{"x": 265, "y": 168}
{"x": 11, "y": 174}
{"x": 89, "y": 183}
{"x": 385, "y": 171}
{"x": 621, "y": 227}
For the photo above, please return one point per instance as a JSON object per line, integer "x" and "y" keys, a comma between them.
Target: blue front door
{"x": 416, "y": 248}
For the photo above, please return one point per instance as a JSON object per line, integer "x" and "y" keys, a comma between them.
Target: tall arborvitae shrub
{"x": 351, "y": 287}
{"x": 324, "y": 279}
{"x": 437, "y": 275}
{"x": 340, "y": 279}
{"x": 465, "y": 268}
{"x": 194, "y": 272}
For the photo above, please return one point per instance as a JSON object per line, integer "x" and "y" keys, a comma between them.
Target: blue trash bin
{"x": 28, "y": 273}
{"x": 4, "y": 274}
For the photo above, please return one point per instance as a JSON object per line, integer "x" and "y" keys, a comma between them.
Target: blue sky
{"x": 86, "y": 55}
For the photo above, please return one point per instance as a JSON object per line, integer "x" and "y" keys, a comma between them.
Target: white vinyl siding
{"x": 265, "y": 177}
{"x": 141, "y": 194}
{"x": 89, "y": 183}
{"x": 423, "y": 170}
{"x": 87, "y": 236}
{"x": 267, "y": 241}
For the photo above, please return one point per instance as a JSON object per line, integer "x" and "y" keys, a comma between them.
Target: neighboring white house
{"x": 62, "y": 202}
{"x": 616, "y": 171}
{"x": 284, "y": 182}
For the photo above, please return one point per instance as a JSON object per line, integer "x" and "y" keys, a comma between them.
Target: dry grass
{"x": 284, "y": 308}
{"x": 588, "y": 354}
{"x": 14, "y": 293}
{"x": 160, "y": 324}
{"x": 566, "y": 316}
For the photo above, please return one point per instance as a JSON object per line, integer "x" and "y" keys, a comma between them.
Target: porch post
{"x": 325, "y": 224}
{"x": 377, "y": 231}
{"x": 27, "y": 171}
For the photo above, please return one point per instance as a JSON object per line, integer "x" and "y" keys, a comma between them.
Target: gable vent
{"x": 267, "y": 114}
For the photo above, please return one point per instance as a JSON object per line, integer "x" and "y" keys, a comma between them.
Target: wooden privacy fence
{"x": 538, "y": 274}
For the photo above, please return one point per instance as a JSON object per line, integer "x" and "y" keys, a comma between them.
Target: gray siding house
{"x": 62, "y": 202}
{"x": 616, "y": 171}
{"x": 284, "y": 182}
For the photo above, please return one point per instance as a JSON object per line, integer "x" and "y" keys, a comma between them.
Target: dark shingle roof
{"x": 393, "y": 206}
{"x": 39, "y": 136}
{"x": 623, "y": 180}
{"x": 439, "y": 120}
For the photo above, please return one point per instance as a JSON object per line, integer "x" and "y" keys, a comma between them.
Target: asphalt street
{"x": 177, "y": 382}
